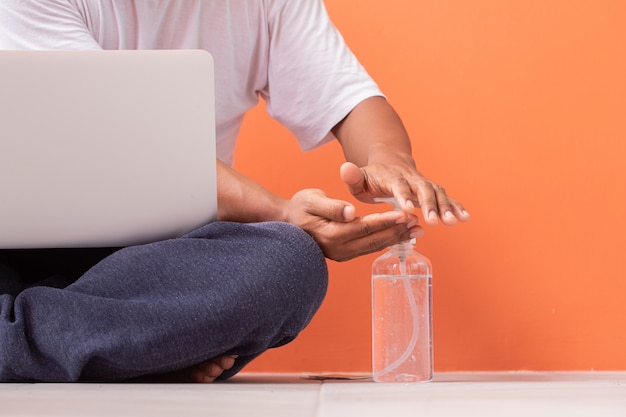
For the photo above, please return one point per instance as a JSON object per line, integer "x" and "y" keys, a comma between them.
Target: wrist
{"x": 384, "y": 154}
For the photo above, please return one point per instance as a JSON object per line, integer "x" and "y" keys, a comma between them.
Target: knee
{"x": 296, "y": 268}
{"x": 298, "y": 258}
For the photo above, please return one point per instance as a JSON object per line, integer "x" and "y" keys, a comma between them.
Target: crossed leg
{"x": 207, "y": 303}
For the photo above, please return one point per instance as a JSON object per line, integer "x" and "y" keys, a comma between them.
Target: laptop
{"x": 105, "y": 148}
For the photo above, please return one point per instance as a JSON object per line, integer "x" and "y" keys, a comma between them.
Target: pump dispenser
{"x": 401, "y": 314}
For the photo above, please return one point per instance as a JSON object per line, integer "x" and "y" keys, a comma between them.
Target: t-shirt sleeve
{"x": 314, "y": 80}
{"x": 41, "y": 25}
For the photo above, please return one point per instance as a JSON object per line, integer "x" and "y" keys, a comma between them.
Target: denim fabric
{"x": 226, "y": 288}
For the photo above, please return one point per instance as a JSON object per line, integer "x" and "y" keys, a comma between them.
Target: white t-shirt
{"x": 287, "y": 51}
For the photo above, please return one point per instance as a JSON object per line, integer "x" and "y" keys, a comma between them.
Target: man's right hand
{"x": 340, "y": 233}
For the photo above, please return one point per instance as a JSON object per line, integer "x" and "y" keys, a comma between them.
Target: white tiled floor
{"x": 453, "y": 394}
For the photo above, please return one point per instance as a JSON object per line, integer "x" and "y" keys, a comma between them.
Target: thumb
{"x": 353, "y": 177}
{"x": 317, "y": 203}
{"x": 335, "y": 210}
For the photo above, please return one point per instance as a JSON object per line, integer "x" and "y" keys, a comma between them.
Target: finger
{"x": 415, "y": 230}
{"x": 450, "y": 210}
{"x": 403, "y": 194}
{"x": 384, "y": 229}
{"x": 381, "y": 239}
{"x": 370, "y": 233}
{"x": 428, "y": 202}
{"x": 353, "y": 177}
{"x": 384, "y": 238}
{"x": 445, "y": 208}
{"x": 459, "y": 211}
{"x": 372, "y": 223}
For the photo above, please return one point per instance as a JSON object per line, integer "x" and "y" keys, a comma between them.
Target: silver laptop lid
{"x": 105, "y": 148}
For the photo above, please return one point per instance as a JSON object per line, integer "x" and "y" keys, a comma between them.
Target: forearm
{"x": 242, "y": 200}
{"x": 373, "y": 133}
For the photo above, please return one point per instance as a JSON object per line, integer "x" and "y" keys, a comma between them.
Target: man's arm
{"x": 242, "y": 200}
{"x": 378, "y": 149}
{"x": 332, "y": 223}
{"x": 51, "y": 24}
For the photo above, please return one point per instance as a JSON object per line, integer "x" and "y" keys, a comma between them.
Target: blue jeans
{"x": 224, "y": 289}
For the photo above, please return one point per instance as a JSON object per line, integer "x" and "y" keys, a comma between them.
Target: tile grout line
{"x": 318, "y": 405}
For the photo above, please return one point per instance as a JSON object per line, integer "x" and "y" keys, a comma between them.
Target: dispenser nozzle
{"x": 396, "y": 207}
{"x": 389, "y": 200}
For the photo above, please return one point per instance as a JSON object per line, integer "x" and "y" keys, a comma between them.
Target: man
{"x": 201, "y": 307}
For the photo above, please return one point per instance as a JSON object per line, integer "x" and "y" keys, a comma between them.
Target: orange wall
{"x": 519, "y": 109}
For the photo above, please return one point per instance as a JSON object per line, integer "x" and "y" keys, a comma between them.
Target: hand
{"x": 408, "y": 186}
{"x": 343, "y": 236}
{"x": 373, "y": 136}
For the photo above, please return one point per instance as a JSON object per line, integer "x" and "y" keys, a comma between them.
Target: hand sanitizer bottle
{"x": 401, "y": 315}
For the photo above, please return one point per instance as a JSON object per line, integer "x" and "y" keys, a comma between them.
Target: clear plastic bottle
{"x": 402, "y": 316}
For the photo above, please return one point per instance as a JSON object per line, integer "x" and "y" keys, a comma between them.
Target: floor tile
{"x": 253, "y": 396}
{"x": 503, "y": 394}
{"x": 331, "y": 395}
